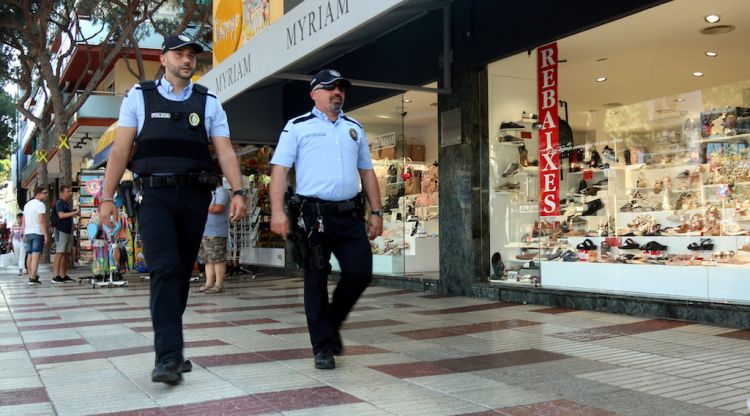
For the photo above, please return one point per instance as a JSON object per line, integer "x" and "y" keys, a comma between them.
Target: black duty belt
{"x": 315, "y": 206}
{"x": 193, "y": 179}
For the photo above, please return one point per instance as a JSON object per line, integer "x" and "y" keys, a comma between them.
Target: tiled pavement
{"x": 73, "y": 350}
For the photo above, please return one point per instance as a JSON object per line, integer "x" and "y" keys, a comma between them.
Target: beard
{"x": 178, "y": 73}
{"x": 335, "y": 106}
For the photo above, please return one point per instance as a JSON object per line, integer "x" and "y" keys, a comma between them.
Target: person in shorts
{"x": 213, "y": 251}
{"x": 64, "y": 240}
{"x": 36, "y": 231}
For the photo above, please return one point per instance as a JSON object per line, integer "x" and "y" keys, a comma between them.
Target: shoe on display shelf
{"x": 510, "y": 170}
{"x": 510, "y": 139}
{"x": 509, "y": 125}
{"x": 529, "y": 116}
{"x": 507, "y": 186}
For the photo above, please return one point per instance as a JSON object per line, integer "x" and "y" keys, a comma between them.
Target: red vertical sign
{"x": 549, "y": 149}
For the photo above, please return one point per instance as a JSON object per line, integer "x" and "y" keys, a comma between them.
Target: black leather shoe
{"x": 168, "y": 371}
{"x": 338, "y": 344}
{"x": 324, "y": 361}
{"x": 187, "y": 366}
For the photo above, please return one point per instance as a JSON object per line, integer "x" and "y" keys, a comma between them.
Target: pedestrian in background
{"x": 35, "y": 230}
{"x": 63, "y": 235}
{"x": 213, "y": 251}
{"x": 167, "y": 126}
{"x": 19, "y": 246}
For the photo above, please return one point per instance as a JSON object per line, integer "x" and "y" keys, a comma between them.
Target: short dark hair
{"x": 39, "y": 189}
{"x": 64, "y": 187}
{"x": 19, "y": 215}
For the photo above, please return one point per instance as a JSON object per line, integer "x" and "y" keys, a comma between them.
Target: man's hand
{"x": 107, "y": 210}
{"x": 280, "y": 224}
{"x": 46, "y": 238}
{"x": 237, "y": 208}
{"x": 374, "y": 226}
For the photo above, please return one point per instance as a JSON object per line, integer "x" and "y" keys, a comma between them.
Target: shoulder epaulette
{"x": 200, "y": 89}
{"x": 301, "y": 119}
{"x": 353, "y": 121}
{"x": 147, "y": 85}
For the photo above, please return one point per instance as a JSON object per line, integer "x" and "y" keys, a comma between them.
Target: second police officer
{"x": 331, "y": 157}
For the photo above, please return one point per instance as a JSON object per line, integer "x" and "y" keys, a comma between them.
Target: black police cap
{"x": 178, "y": 41}
{"x": 327, "y": 77}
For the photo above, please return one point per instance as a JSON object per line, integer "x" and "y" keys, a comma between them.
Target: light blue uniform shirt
{"x": 132, "y": 110}
{"x": 217, "y": 225}
{"x": 326, "y": 155}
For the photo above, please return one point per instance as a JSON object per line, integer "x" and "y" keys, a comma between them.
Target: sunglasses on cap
{"x": 331, "y": 87}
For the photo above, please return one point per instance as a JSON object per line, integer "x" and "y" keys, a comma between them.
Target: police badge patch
{"x": 194, "y": 119}
{"x": 354, "y": 134}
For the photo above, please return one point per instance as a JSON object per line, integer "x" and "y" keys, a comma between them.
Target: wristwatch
{"x": 377, "y": 212}
{"x": 242, "y": 192}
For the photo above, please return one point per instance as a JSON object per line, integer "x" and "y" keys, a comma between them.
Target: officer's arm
{"x": 370, "y": 186}
{"x": 279, "y": 220}
{"x": 230, "y": 167}
{"x": 118, "y": 159}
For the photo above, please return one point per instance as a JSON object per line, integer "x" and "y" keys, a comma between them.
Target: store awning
{"x": 309, "y": 35}
{"x": 251, "y": 82}
{"x": 104, "y": 145}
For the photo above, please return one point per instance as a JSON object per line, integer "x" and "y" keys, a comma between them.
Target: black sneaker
{"x": 35, "y": 281}
{"x": 67, "y": 279}
{"x": 57, "y": 279}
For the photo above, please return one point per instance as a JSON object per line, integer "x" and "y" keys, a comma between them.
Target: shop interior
{"x": 403, "y": 137}
{"x": 655, "y": 189}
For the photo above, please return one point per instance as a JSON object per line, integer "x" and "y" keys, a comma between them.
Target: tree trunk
{"x": 63, "y": 153}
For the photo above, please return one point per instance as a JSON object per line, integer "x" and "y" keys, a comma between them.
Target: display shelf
{"x": 722, "y": 139}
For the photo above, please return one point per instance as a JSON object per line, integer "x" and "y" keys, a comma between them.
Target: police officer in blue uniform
{"x": 331, "y": 157}
{"x": 167, "y": 126}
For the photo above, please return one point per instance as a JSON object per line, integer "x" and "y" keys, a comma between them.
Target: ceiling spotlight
{"x": 697, "y": 74}
{"x": 601, "y": 79}
{"x": 382, "y": 116}
{"x": 406, "y": 100}
{"x": 712, "y": 18}
{"x": 711, "y": 54}
{"x": 679, "y": 100}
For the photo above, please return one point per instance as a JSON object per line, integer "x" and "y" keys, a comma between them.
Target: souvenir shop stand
{"x": 109, "y": 250}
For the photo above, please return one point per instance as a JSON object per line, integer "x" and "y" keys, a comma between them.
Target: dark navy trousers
{"x": 346, "y": 237}
{"x": 171, "y": 222}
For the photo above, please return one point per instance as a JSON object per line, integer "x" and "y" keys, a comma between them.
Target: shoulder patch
{"x": 351, "y": 120}
{"x": 147, "y": 85}
{"x": 303, "y": 118}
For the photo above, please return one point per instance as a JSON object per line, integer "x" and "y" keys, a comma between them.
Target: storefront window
{"x": 402, "y": 132}
{"x": 655, "y": 189}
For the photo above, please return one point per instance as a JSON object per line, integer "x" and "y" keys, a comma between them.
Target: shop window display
{"x": 655, "y": 194}
{"x": 404, "y": 151}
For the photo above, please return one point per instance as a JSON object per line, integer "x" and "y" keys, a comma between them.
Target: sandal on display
{"x": 704, "y": 244}
{"x": 629, "y": 245}
{"x": 586, "y": 245}
{"x": 653, "y": 246}
{"x": 569, "y": 256}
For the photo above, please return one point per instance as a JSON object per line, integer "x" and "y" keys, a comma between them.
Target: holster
{"x": 305, "y": 253}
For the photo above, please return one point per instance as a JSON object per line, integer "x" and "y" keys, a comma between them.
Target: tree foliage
{"x": 7, "y": 123}
{"x": 30, "y": 28}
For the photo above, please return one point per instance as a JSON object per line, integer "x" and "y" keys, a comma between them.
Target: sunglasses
{"x": 331, "y": 87}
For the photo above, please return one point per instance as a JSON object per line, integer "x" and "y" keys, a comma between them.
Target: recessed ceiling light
{"x": 601, "y": 79}
{"x": 697, "y": 74}
{"x": 382, "y": 116}
{"x": 711, "y": 54}
{"x": 712, "y": 18}
{"x": 612, "y": 105}
{"x": 679, "y": 100}
{"x": 406, "y": 100}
